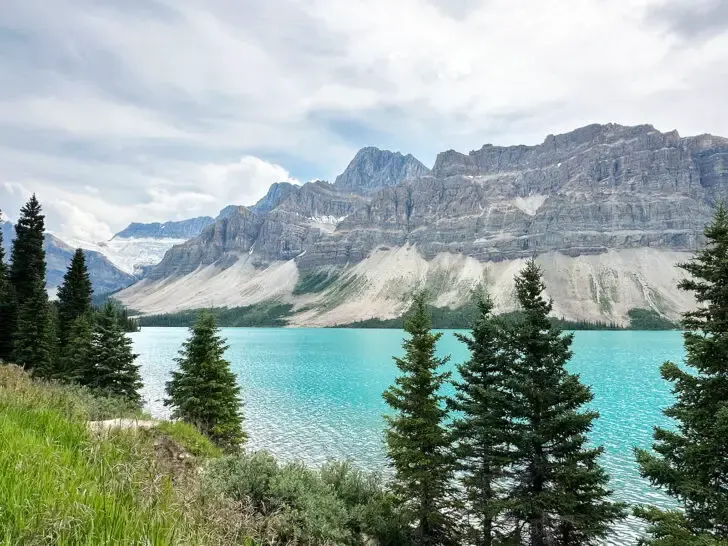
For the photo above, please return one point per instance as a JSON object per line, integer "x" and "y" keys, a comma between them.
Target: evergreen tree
{"x": 480, "y": 433}
{"x": 75, "y": 362}
{"x": 691, "y": 461}
{"x": 28, "y": 257}
{"x": 418, "y": 442}
{"x": 113, "y": 370}
{"x": 559, "y": 491}
{"x": 74, "y": 296}
{"x": 7, "y": 307}
{"x": 33, "y": 339}
{"x": 204, "y": 392}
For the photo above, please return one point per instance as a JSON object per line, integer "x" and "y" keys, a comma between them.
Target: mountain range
{"x": 607, "y": 210}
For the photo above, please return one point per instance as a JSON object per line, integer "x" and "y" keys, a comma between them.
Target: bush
{"x": 337, "y": 504}
{"x": 191, "y": 439}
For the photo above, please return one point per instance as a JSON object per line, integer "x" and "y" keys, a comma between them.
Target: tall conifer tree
{"x": 75, "y": 364}
{"x": 559, "y": 492}
{"x": 74, "y": 296}
{"x": 33, "y": 340}
{"x": 204, "y": 391}
{"x": 28, "y": 257}
{"x": 417, "y": 438}
{"x": 691, "y": 461}
{"x": 480, "y": 432}
{"x": 7, "y": 307}
{"x": 113, "y": 370}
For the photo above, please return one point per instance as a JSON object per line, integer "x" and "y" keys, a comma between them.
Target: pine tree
{"x": 204, "y": 391}
{"x": 480, "y": 433}
{"x": 74, "y": 296}
{"x": 417, "y": 439}
{"x": 113, "y": 371}
{"x": 75, "y": 363}
{"x": 559, "y": 492}
{"x": 28, "y": 257}
{"x": 33, "y": 339}
{"x": 691, "y": 461}
{"x": 7, "y": 307}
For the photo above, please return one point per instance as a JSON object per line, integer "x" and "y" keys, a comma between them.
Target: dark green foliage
{"x": 312, "y": 282}
{"x": 480, "y": 431}
{"x": 7, "y": 308}
{"x": 75, "y": 363}
{"x": 204, "y": 392}
{"x": 34, "y": 341}
{"x": 649, "y": 319}
{"x": 417, "y": 440}
{"x": 691, "y": 461}
{"x": 74, "y": 296}
{"x": 28, "y": 257}
{"x": 558, "y": 493}
{"x": 127, "y": 323}
{"x": 269, "y": 314}
{"x": 113, "y": 371}
{"x": 335, "y": 505}
{"x": 465, "y": 317}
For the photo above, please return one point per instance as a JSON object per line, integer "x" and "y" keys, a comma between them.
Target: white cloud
{"x": 140, "y": 111}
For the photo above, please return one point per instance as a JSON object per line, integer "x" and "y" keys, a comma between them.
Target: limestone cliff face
{"x": 373, "y": 169}
{"x": 591, "y": 192}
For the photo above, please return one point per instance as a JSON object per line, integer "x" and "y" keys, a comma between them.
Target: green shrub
{"x": 190, "y": 438}
{"x": 337, "y": 504}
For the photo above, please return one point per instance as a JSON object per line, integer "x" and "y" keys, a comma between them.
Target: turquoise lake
{"x": 315, "y": 394}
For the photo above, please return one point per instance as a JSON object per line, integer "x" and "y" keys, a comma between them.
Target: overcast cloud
{"x": 130, "y": 110}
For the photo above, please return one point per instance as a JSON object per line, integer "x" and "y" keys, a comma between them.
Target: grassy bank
{"x": 62, "y": 484}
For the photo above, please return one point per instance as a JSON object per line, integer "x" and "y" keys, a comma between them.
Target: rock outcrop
{"x": 602, "y": 190}
{"x": 373, "y": 169}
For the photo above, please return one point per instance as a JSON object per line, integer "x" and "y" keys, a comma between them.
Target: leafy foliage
{"x": 690, "y": 463}
{"x": 417, "y": 439}
{"x": 335, "y": 505}
{"x": 34, "y": 340}
{"x": 204, "y": 392}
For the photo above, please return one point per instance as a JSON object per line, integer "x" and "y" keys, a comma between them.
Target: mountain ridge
{"x": 583, "y": 202}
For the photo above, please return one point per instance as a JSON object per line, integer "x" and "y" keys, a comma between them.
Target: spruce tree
{"x": 7, "y": 307}
{"x": 33, "y": 340}
{"x": 75, "y": 363}
{"x": 480, "y": 432}
{"x": 559, "y": 491}
{"x": 690, "y": 462}
{"x": 28, "y": 257}
{"x": 113, "y": 370}
{"x": 204, "y": 391}
{"x": 417, "y": 438}
{"x": 74, "y": 296}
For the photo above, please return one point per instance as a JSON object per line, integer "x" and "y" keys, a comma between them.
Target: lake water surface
{"x": 315, "y": 394}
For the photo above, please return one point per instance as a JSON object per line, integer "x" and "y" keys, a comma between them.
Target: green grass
{"x": 60, "y": 486}
{"x": 190, "y": 439}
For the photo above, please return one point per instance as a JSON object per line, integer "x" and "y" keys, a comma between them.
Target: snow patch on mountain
{"x": 131, "y": 255}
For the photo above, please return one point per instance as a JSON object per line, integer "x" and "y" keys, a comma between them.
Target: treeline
{"x": 269, "y": 314}
{"x": 462, "y": 318}
{"x": 68, "y": 340}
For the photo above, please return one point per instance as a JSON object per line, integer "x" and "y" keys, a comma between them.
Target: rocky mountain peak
{"x": 373, "y": 169}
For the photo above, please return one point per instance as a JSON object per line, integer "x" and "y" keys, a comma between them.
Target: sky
{"x": 115, "y": 111}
